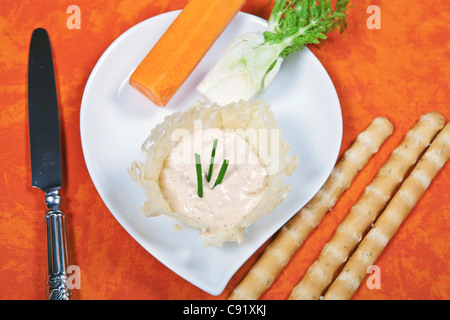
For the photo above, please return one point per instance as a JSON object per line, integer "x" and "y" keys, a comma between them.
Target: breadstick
{"x": 296, "y": 230}
{"x": 366, "y": 209}
{"x": 392, "y": 217}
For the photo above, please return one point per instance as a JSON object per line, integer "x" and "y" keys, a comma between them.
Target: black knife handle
{"x": 58, "y": 287}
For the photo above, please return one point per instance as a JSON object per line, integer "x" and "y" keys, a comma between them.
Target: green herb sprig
{"x": 198, "y": 166}
{"x": 211, "y": 162}
{"x": 222, "y": 171}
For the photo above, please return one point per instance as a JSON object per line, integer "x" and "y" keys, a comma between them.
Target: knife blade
{"x": 45, "y": 151}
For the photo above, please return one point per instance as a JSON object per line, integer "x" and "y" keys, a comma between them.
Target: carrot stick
{"x": 367, "y": 208}
{"x": 392, "y": 217}
{"x": 181, "y": 48}
{"x": 295, "y": 231}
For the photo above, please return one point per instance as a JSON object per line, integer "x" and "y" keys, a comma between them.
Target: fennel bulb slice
{"x": 245, "y": 69}
{"x": 251, "y": 61}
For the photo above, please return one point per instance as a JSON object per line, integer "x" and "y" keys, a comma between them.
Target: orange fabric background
{"x": 400, "y": 71}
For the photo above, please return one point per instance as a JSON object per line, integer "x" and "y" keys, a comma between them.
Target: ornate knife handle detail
{"x": 58, "y": 288}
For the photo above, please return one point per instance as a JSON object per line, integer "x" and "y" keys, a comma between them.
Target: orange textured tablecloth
{"x": 399, "y": 71}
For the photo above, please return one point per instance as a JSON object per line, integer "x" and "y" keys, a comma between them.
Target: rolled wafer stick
{"x": 366, "y": 209}
{"x": 291, "y": 236}
{"x": 373, "y": 244}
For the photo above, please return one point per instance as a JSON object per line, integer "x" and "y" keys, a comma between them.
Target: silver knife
{"x": 45, "y": 147}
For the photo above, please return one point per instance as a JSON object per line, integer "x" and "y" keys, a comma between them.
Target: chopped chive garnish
{"x": 211, "y": 163}
{"x": 222, "y": 171}
{"x": 198, "y": 165}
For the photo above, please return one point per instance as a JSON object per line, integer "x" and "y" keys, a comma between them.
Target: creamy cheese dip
{"x": 226, "y": 204}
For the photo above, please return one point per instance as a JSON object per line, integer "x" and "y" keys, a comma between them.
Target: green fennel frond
{"x": 295, "y": 23}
